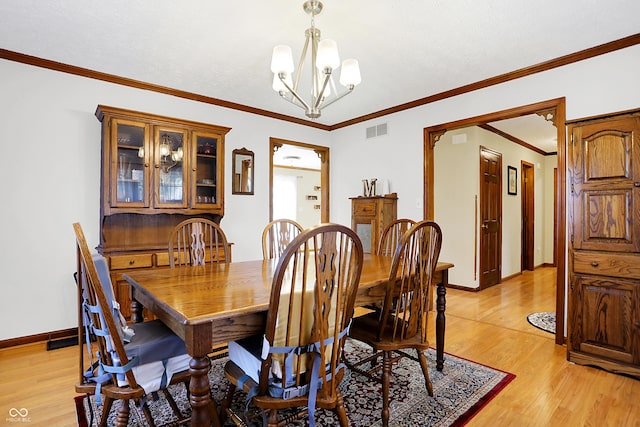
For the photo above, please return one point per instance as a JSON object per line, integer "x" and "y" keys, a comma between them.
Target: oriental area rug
{"x": 544, "y": 320}
{"x": 461, "y": 390}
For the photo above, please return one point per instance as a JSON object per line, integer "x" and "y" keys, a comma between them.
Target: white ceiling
{"x": 222, "y": 49}
{"x": 533, "y": 129}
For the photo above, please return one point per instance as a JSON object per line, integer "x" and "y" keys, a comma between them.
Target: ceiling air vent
{"x": 378, "y": 130}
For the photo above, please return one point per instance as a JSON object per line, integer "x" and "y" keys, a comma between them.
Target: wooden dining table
{"x": 216, "y": 303}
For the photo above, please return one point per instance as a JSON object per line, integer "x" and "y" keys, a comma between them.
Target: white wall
{"x": 52, "y": 180}
{"x": 457, "y": 203}
{"x": 550, "y": 163}
{"x": 306, "y": 180}
{"x": 599, "y": 85}
{"x": 52, "y": 177}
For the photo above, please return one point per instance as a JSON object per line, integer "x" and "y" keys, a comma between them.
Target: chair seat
{"x": 365, "y": 328}
{"x": 159, "y": 353}
{"x": 233, "y": 372}
{"x": 154, "y": 341}
{"x": 246, "y": 355}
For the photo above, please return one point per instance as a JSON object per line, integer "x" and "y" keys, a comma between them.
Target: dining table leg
{"x": 198, "y": 339}
{"x": 202, "y": 407}
{"x": 441, "y": 304}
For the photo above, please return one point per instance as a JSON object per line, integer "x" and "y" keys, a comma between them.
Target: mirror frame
{"x": 236, "y": 187}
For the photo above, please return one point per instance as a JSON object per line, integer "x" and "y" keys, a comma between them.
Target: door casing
{"x": 553, "y": 110}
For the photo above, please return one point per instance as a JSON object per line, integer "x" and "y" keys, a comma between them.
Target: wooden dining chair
{"x": 388, "y": 243}
{"x": 296, "y": 363}
{"x": 402, "y": 322}
{"x": 131, "y": 362}
{"x": 197, "y": 241}
{"x": 277, "y": 235}
{"x": 391, "y": 236}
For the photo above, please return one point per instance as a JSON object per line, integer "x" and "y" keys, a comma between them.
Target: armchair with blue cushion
{"x": 296, "y": 365}
{"x": 125, "y": 363}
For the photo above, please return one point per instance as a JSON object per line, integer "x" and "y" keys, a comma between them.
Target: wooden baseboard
{"x": 546, "y": 264}
{"x": 511, "y": 276}
{"x": 462, "y": 288}
{"x": 45, "y": 336}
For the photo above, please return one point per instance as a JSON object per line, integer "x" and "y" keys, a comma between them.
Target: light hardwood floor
{"x": 489, "y": 327}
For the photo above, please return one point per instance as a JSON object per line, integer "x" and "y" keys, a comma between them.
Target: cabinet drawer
{"x": 162, "y": 259}
{"x": 121, "y": 262}
{"x": 607, "y": 264}
{"x": 364, "y": 207}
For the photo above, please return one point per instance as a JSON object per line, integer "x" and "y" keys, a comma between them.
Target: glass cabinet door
{"x": 129, "y": 166}
{"x": 169, "y": 171}
{"x": 206, "y": 181}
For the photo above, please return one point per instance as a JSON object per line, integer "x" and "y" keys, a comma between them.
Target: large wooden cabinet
{"x": 156, "y": 171}
{"x": 369, "y": 217}
{"x": 604, "y": 262}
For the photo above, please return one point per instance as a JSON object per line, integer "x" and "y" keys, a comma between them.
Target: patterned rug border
{"x": 484, "y": 400}
{"x": 461, "y": 420}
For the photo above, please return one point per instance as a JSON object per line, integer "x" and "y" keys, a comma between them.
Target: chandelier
{"x": 324, "y": 60}
{"x": 168, "y": 156}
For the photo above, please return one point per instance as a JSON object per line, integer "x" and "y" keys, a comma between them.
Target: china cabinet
{"x": 155, "y": 172}
{"x": 369, "y": 217}
{"x": 604, "y": 236}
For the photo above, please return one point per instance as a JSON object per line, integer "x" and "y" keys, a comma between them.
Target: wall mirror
{"x": 242, "y": 182}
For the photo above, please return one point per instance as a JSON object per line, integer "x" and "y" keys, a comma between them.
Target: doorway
{"x": 553, "y": 111}
{"x": 528, "y": 214}
{"x": 306, "y": 160}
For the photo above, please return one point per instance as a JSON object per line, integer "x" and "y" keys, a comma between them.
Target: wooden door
{"x": 490, "y": 217}
{"x": 527, "y": 198}
{"x": 604, "y": 277}
{"x": 605, "y": 318}
{"x": 604, "y": 186}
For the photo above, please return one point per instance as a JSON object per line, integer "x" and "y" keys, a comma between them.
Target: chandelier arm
{"x": 347, "y": 92}
{"x": 293, "y": 101}
{"x": 327, "y": 76}
{"x": 302, "y": 58}
{"x": 314, "y": 69}
{"x": 293, "y": 93}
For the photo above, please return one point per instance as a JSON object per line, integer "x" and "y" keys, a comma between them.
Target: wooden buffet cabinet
{"x": 155, "y": 172}
{"x": 604, "y": 243}
{"x": 369, "y": 217}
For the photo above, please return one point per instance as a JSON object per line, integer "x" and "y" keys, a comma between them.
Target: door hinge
{"x": 572, "y": 139}
{"x": 572, "y": 189}
{"x": 571, "y": 238}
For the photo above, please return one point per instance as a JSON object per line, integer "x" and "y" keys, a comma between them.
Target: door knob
{"x": 485, "y": 226}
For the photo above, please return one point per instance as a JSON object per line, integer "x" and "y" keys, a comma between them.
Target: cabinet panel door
{"x": 207, "y": 182}
{"x": 605, "y": 317}
{"x": 129, "y": 171}
{"x": 605, "y": 175}
{"x": 170, "y": 175}
{"x": 365, "y": 229}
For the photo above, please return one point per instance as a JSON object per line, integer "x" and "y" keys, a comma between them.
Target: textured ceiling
{"x": 222, "y": 49}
